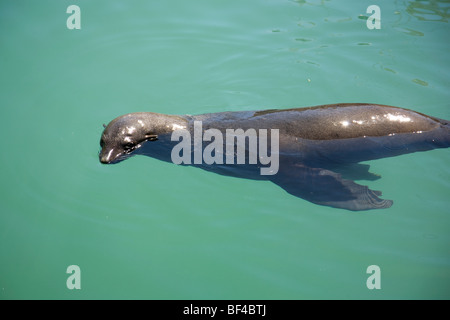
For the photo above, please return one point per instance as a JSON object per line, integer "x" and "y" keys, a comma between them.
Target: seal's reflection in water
{"x": 319, "y": 147}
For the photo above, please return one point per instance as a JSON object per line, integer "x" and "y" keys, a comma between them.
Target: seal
{"x": 320, "y": 148}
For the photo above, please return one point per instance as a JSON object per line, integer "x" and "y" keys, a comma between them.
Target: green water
{"x": 154, "y": 230}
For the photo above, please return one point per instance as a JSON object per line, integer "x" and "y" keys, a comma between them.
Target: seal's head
{"x": 125, "y": 134}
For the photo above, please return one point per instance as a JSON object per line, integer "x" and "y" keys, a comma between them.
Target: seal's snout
{"x": 107, "y": 156}
{"x": 103, "y": 160}
{"x": 112, "y": 155}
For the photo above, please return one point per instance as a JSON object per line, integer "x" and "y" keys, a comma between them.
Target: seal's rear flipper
{"x": 328, "y": 188}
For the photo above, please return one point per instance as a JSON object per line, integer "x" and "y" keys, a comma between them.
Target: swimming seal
{"x": 319, "y": 147}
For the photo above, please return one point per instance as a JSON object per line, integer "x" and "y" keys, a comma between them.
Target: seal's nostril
{"x": 102, "y": 158}
{"x": 104, "y": 161}
{"x": 105, "y": 157}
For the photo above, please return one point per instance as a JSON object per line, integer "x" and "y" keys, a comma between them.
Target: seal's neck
{"x": 162, "y": 124}
{"x": 158, "y": 127}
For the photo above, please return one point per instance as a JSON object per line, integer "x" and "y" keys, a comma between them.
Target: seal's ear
{"x": 104, "y": 125}
{"x": 151, "y": 137}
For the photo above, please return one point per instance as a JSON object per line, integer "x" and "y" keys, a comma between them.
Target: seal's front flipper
{"x": 327, "y": 188}
{"x": 356, "y": 171}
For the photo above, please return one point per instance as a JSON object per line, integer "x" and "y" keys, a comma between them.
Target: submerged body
{"x": 317, "y": 145}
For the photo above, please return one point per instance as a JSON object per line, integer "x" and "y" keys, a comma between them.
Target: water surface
{"x": 153, "y": 230}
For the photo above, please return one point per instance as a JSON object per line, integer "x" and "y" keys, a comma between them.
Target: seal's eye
{"x": 128, "y": 147}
